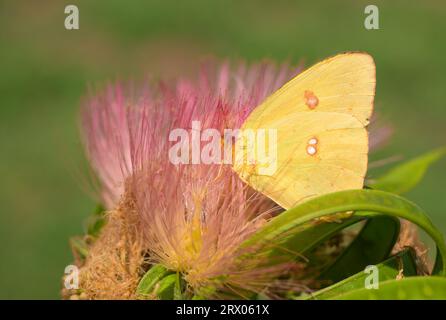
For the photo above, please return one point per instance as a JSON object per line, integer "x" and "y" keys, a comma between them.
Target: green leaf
{"x": 79, "y": 247}
{"x": 204, "y": 293}
{"x": 178, "y": 290}
{"x": 411, "y": 288}
{"x": 406, "y": 176}
{"x": 95, "y": 225}
{"x": 364, "y": 203}
{"x": 151, "y": 278}
{"x": 309, "y": 235}
{"x": 388, "y": 270}
{"x": 96, "y": 221}
{"x": 166, "y": 287}
{"x": 99, "y": 210}
{"x": 371, "y": 246}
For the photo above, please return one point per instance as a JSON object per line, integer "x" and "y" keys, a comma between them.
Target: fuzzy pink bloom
{"x": 106, "y": 134}
{"x": 198, "y": 215}
{"x": 194, "y": 217}
{"x": 117, "y": 121}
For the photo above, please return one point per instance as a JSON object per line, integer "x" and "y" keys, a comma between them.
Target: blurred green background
{"x": 45, "y": 70}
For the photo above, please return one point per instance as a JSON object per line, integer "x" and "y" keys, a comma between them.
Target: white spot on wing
{"x": 311, "y": 150}
{"x": 312, "y": 146}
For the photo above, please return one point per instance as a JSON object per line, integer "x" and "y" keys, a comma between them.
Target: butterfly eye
{"x": 310, "y": 99}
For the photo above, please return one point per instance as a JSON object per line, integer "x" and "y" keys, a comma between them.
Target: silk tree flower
{"x": 189, "y": 218}
{"x": 120, "y": 116}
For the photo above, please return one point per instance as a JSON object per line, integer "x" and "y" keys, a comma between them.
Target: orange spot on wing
{"x": 310, "y": 99}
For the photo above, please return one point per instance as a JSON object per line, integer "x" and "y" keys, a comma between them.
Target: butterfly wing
{"x": 319, "y": 118}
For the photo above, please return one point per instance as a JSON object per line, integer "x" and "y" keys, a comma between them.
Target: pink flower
{"x": 193, "y": 217}
{"x": 122, "y": 126}
{"x": 106, "y": 125}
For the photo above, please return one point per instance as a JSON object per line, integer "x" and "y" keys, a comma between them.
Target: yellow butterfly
{"x": 320, "y": 119}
